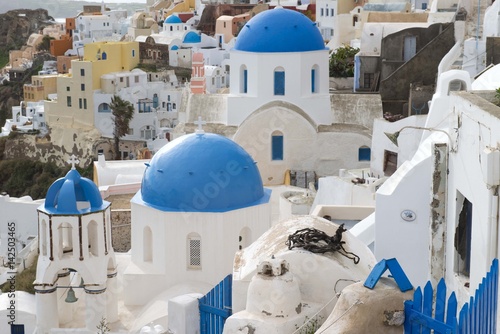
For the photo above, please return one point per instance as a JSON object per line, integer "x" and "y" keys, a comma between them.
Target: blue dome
{"x": 279, "y": 30}
{"x": 201, "y": 173}
{"x": 175, "y": 47}
{"x": 192, "y": 37}
{"x": 73, "y": 194}
{"x": 173, "y": 19}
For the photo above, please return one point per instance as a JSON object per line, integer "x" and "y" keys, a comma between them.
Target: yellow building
{"x": 40, "y": 88}
{"x": 182, "y": 7}
{"x": 75, "y": 106}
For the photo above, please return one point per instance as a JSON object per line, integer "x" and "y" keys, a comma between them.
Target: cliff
{"x": 15, "y": 28}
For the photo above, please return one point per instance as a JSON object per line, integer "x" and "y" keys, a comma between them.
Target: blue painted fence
{"x": 478, "y": 316}
{"x": 16, "y": 329}
{"x": 216, "y": 306}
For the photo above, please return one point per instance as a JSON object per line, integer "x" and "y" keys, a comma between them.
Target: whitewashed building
{"x": 439, "y": 211}
{"x": 194, "y": 186}
{"x": 27, "y": 116}
{"x": 155, "y": 99}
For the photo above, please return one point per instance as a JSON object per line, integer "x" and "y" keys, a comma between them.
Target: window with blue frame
{"x": 364, "y": 153}
{"x": 104, "y": 56}
{"x": 315, "y": 79}
{"x": 277, "y": 146}
{"x": 144, "y": 105}
{"x": 279, "y": 81}
{"x": 155, "y": 101}
{"x": 243, "y": 79}
{"x": 103, "y": 107}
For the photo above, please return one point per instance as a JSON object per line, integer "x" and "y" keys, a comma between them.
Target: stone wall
{"x": 421, "y": 68}
{"x": 342, "y": 83}
{"x": 358, "y": 109}
{"x": 120, "y": 229}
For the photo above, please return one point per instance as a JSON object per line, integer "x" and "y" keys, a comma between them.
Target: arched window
{"x": 43, "y": 238}
{"x": 65, "y": 246}
{"x": 245, "y": 238}
{"x": 194, "y": 251}
{"x": 315, "y": 79}
{"x": 243, "y": 79}
{"x": 147, "y": 244}
{"x": 93, "y": 238}
{"x": 364, "y": 153}
{"x": 279, "y": 81}
{"x": 354, "y": 20}
{"x": 171, "y": 28}
{"x": 103, "y": 107}
{"x": 277, "y": 145}
{"x": 104, "y": 56}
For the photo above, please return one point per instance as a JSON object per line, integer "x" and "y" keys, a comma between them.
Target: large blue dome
{"x": 201, "y": 173}
{"x": 73, "y": 194}
{"x": 279, "y": 30}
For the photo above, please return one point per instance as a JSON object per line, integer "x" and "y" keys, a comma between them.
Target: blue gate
{"x": 16, "y": 329}
{"x": 216, "y": 307}
{"x": 478, "y": 316}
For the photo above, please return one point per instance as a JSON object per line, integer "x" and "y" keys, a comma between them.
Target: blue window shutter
{"x": 277, "y": 148}
{"x": 104, "y": 56}
{"x": 364, "y": 154}
{"x": 155, "y": 101}
{"x": 279, "y": 83}
{"x": 313, "y": 79}
{"x": 245, "y": 81}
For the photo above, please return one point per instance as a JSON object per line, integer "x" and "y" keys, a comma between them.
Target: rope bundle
{"x": 317, "y": 241}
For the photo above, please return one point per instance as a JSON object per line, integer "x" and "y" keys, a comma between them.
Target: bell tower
{"x": 76, "y": 256}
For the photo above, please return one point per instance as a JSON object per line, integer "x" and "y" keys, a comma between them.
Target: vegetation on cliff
{"x": 26, "y": 177}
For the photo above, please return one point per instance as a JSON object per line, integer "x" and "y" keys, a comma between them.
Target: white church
{"x": 202, "y": 213}
{"x": 279, "y": 107}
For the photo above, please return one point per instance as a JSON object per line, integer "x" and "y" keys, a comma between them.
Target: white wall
{"x": 479, "y": 130}
{"x": 408, "y": 140}
{"x": 304, "y": 148}
{"x": 407, "y": 189}
{"x": 219, "y": 234}
{"x": 297, "y": 83}
{"x": 20, "y": 215}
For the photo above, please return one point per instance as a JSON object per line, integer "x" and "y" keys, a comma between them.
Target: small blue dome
{"x": 73, "y": 194}
{"x": 279, "y": 30}
{"x": 192, "y": 37}
{"x": 175, "y": 47}
{"x": 201, "y": 173}
{"x": 173, "y": 19}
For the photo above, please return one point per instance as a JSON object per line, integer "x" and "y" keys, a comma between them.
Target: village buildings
{"x": 258, "y": 114}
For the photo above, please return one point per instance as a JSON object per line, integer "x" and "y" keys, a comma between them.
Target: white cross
{"x": 73, "y": 160}
{"x": 200, "y": 124}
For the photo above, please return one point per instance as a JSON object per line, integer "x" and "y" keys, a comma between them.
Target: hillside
{"x": 15, "y": 28}
{"x": 65, "y": 8}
